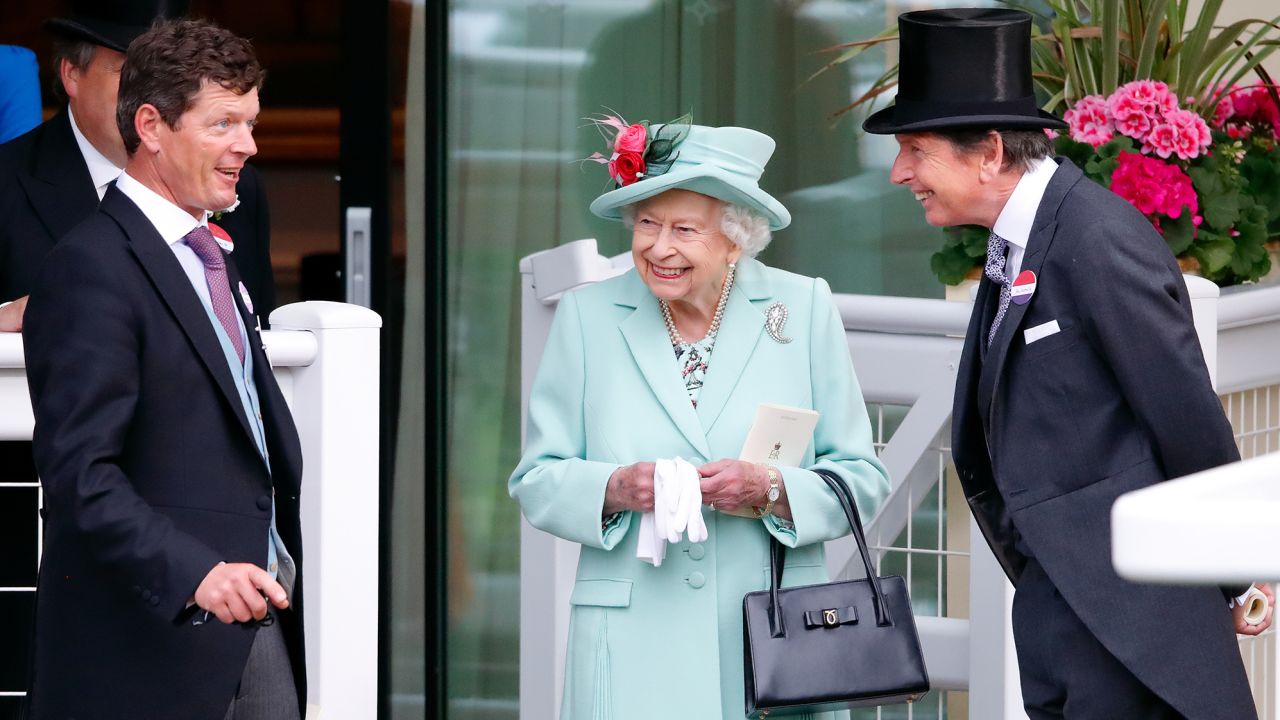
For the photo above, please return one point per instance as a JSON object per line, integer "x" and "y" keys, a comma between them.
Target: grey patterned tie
{"x": 996, "y": 247}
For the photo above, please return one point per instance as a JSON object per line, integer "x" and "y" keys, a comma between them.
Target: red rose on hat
{"x": 626, "y": 167}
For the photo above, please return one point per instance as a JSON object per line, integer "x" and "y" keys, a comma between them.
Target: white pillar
{"x": 335, "y": 407}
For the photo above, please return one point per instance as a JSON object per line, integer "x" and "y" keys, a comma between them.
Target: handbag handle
{"x": 778, "y": 556}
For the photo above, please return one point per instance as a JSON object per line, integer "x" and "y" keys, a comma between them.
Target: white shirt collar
{"x": 1019, "y": 214}
{"x": 172, "y": 222}
{"x": 101, "y": 170}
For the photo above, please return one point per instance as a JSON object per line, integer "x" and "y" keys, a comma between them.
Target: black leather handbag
{"x": 838, "y": 645}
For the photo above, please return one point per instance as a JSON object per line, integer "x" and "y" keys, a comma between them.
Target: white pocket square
{"x": 1041, "y": 331}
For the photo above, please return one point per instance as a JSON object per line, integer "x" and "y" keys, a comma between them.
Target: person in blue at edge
{"x": 19, "y": 91}
{"x": 671, "y": 359}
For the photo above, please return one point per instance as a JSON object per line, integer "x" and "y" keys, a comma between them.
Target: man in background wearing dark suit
{"x": 1081, "y": 379}
{"x": 170, "y": 584}
{"x": 54, "y": 176}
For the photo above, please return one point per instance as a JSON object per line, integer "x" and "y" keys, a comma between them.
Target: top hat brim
{"x": 705, "y": 179}
{"x": 115, "y": 36}
{"x": 883, "y": 122}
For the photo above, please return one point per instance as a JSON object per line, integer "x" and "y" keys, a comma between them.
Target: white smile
{"x": 922, "y": 196}
{"x": 668, "y": 273}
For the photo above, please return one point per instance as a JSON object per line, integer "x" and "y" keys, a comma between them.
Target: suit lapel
{"x": 1038, "y": 244}
{"x": 646, "y": 337}
{"x": 59, "y": 187}
{"x": 171, "y": 282}
{"x": 740, "y": 331}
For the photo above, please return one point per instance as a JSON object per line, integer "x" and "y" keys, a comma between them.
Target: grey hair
{"x": 744, "y": 226}
{"x": 78, "y": 52}
{"x": 1022, "y": 148}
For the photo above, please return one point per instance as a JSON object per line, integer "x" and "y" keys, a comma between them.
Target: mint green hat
{"x": 723, "y": 162}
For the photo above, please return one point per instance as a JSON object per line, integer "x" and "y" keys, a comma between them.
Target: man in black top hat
{"x": 54, "y": 176}
{"x": 1081, "y": 379}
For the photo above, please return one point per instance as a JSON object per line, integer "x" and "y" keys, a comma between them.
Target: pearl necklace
{"x": 674, "y": 333}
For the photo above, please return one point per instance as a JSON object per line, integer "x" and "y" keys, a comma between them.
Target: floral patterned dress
{"x": 693, "y": 358}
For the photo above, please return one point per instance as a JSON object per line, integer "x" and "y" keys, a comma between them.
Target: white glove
{"x": 691, "y": 502}
{"x": 677, "y": 508}
{"x": 666, "y": 498}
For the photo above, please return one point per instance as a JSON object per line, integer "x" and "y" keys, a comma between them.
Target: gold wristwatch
{"x": 775, "y": 491}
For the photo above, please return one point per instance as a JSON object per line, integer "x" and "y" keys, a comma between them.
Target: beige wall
{"x": 1236, "y": 10}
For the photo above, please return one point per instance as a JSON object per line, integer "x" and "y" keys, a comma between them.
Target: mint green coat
{"x": 666, "y": 642}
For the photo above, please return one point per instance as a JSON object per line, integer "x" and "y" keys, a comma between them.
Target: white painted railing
{"x": 325, "y": 358}
{"x": 905, "y": 352}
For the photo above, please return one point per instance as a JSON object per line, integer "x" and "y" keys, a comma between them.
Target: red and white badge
{"x": 222, "y": 237}
{"x": 1024, "y": 286}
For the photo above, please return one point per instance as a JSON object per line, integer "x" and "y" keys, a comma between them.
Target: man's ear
{"x": 69, "y": 75}
{"x": 992, "y": 160}
{"x": 149, "y": 125}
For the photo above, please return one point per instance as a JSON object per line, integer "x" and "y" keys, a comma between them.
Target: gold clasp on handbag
{"x": 830, "y": 617}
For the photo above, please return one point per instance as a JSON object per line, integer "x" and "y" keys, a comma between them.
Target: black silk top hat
{"x": 963, "y": 67}
{"x": 114, "y": 23}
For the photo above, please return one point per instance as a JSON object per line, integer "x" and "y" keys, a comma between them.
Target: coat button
{"x": 697, "y": 551}
{"x": 155, "y": 600}
{"x": 264, "y": 502}
{"x": 146, "y": 594}
{"x": 697, "y": 580}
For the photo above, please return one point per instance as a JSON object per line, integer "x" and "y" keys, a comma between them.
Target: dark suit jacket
{"x": 1046, "y": 436}
{"x": 151, "y": 477}
{"x": 45, "y": 190}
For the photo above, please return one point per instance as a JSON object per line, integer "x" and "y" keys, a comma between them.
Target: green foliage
{"x": 1104, "y": 161}
{"x": 1214, "y": 252}
{"x": 1230, "y": 244}
{"x": 1179, "y": 232}
{"x": 1077, "y": 152}
{"x": 963, "y": 249}
{"x": 1219, "y": 188}
{"x": 1261, "y": 169}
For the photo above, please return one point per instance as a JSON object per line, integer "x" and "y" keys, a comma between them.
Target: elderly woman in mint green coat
{"x": 670, "y": 360}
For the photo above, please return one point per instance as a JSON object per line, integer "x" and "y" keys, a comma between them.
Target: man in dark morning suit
{"x": 1081, "y": 379}
{"x": 170, "y": 585}
{"x": 53, "y": 177}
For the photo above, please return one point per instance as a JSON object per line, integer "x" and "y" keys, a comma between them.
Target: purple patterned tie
{"x": 215, "y": 274}
{"x": 996, "y": 246}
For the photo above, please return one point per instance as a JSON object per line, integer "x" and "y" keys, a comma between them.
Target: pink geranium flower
{"x": 1225, "y": 107}
{"x": 1154, "y": 187}
{"x": 1193, "y": 136}
{"x": 1090, "y": 121}
{"x": 1138, "y": 106}
{"x": 1254, "y": 107}
{"x": 1182, "y": 133}
{"x": 1162, "y": 140}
